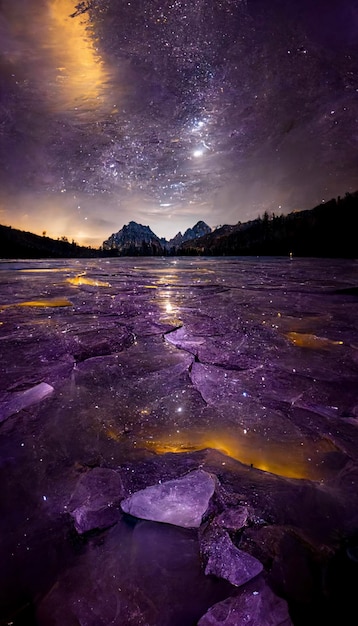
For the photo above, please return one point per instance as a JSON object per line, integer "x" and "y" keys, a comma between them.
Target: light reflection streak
{"x": 164, "y": 298}
{"x": 171, "y": 312}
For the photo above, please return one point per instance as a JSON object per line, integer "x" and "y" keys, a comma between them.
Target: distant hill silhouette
{"x": 19, "y": 244}
{"x": 328, "y": 230}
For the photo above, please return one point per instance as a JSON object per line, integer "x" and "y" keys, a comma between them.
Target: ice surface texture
{"x": 161, "y": 370}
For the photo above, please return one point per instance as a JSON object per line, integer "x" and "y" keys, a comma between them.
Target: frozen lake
{"x": 112, "y": 362}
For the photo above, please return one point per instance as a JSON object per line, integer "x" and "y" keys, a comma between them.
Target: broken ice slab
{"x": 255, "y": 605}
{"x": 95, "y": 500}
{"x": 233, "y": 519}
{"x": 20, "y": 400}
{"x": 225, "y": 560}
{"x": 181, "y": 502}
{"x": 224, "y": 349}
{"x": 185, "y": 341}
{"x": 88, "y": 339}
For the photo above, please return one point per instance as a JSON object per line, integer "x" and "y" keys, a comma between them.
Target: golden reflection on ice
{"x": 307, "y": 340}
{"x": 48, "y": 302}
{"x": 81, "y": 73}
{"x": 81, "y": 279}
{"x": 168, "y": 279}
{"x": 301, "y": 459}
{"x": 172, "y": 321}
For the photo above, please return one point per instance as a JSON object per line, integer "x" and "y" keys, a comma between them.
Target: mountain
{"x": 134, "y": 240}
{"x": 138, "y": 240}
{"x": 199, "y": 230}
{"x": 175, "y": 242}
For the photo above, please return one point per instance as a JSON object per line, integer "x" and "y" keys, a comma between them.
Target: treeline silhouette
{"x": 328, "y": 230}
{"x": 141, "y": 248}
{"x": 144, "y": 249}
{"x": 19, "y": 244}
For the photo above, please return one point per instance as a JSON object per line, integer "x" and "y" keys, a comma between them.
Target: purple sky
{"x": 174, "y": 111}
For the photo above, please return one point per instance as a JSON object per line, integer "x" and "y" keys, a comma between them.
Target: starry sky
{"x": 167, "y": 112}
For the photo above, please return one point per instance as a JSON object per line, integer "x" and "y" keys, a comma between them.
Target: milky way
{"x": 169, "y": 112}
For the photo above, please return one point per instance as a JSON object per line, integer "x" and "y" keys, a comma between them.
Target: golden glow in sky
{"x": 80, "y": 71}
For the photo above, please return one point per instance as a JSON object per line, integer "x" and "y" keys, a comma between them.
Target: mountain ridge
{"x": 134, "y": 238}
